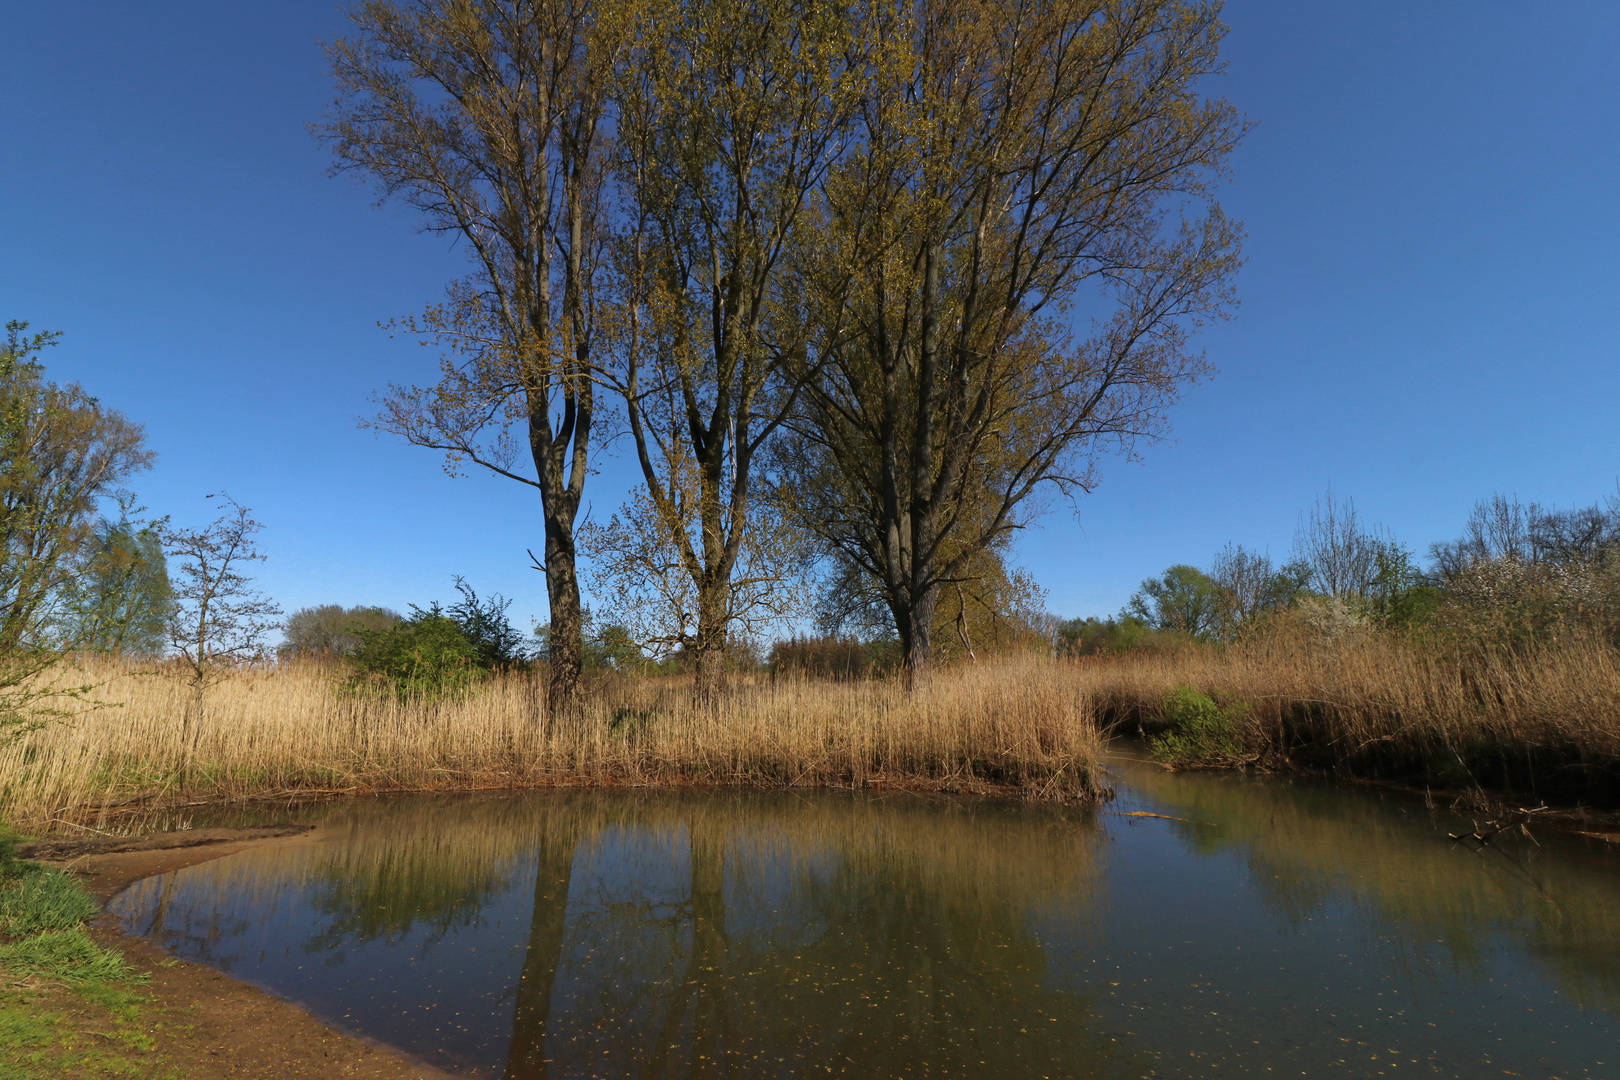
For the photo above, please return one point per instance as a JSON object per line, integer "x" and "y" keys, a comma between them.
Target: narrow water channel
{"x": 1259, "y": 927}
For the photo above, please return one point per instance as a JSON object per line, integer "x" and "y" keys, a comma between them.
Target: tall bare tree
{"x": 485, "y": 116}
{"x": 730, "y": 115}
{"x": 1006, "y": 154}
{"x": 1340, "y": 555}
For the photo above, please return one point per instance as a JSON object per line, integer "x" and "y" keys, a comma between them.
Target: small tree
{"x": 332, "y": 629}
{"x": 644, "y": 580}
{"x": 1251, "y": 584}
{"x": 61, "y": 454}
{"x": 1182, "y": 599}
{"x": 219, "y": 620}
{"x": 1342, "y": 557}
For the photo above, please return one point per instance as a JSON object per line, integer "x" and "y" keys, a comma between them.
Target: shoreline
{"x": 1594, "y": 822}
{"x": 127, "y": 809}
{"x": 234, "y": 1024}
{"x": 229, "y": 1024}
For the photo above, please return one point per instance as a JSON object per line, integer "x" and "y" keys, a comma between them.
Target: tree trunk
{"x": 709, "y": 660}
{"x": 567, "y": 644}
{"x": 698, "y": 994}
{"x": 711, "y": 1019}
{"x": 916, "y": 621}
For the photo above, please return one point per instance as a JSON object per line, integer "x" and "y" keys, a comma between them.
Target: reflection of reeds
{"x": 1305, "y": 844}
{"x": 1543, "y": 719}
{"x": 1021, "y": 723}
{"x": 386, "y": 863}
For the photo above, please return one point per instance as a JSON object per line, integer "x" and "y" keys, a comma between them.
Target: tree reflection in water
{"x": 1266, "y": 924}
{"x": 874, "y": 937}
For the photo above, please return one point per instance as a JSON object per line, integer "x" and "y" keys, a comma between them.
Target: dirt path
{"x": 207, "y": 1024}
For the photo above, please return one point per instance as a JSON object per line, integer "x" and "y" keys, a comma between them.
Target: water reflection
{"x": 1260, "y": 925}
{"x": 667, "y": 935}
{"x": 1306, "y": 844}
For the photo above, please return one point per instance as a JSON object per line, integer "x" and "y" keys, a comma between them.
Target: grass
{"x": 1542, "y": 720}
{"x": 63, "y": 997}
{"x": 67, "y": 956}
{"x": 1020, "y": 723}
{"x": 40, "y": 898}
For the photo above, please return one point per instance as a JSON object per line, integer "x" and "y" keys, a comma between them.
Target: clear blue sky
{"x": 1430, "y": 309}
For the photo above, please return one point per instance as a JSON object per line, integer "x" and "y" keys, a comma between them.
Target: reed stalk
{"x": 1023, "y": 724}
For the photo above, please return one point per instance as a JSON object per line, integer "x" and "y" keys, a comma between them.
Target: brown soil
{"x": 230, "y": 1029}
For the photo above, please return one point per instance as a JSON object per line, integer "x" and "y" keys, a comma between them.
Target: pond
{"x": 1261, "y": 926}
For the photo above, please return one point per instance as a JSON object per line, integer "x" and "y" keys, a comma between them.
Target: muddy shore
{"x": 231, "y": 1028}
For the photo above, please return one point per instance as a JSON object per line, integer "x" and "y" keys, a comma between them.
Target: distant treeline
{"x": 1518, "y": 572}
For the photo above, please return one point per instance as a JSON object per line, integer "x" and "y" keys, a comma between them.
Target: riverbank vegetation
{"x": 303, "y": 728}
{"x": 1496, "y": 669}
{"x": 68, "y": 1005}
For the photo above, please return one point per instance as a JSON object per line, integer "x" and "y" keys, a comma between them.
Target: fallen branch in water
{"x": 1146, "y": 813}
{"x": 1505, "y": 821}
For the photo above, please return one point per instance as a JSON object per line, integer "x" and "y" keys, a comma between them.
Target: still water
{"x": 1262, "y": 927}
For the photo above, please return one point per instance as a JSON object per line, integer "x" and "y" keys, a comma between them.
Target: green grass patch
{"x": 22, "y": 1030}
{"x": 40, "y": 899}
{"x": 67, "y": 956}
{"x": 123, "y": 1002}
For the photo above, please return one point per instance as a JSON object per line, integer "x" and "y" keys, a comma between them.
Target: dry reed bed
{"x": 1544, "y": 720}
{"x": 1023, "y": 724}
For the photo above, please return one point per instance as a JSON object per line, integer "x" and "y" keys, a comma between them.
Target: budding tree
{"x": 61, "y": 454}
{"x": 1005, "y": 155}
{"x": 730, "y": 114}
{"x": 485, "y": 116}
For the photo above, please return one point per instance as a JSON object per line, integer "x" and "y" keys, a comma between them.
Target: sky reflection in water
{"x": 1290, "y": 927}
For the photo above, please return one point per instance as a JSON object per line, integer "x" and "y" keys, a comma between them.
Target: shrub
{"x": 1199, "y": 730}
{"x": 1114, "y": 637}
{"x": 330, "y": 630}
{"x": 423, "y": 656}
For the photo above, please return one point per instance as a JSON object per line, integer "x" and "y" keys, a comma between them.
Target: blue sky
{"x": 1429, "y": 307}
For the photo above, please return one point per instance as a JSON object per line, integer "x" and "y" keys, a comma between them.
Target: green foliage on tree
{"x": 61, "y": 454}
{"x": 1111, "y": 637}
{"x": 122, "y": 601}
{"x": 1183, "y": 599}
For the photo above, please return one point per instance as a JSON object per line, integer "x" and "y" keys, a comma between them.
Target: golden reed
{"x": 1021, "y": 723}
{"x": 1537, "y": 719}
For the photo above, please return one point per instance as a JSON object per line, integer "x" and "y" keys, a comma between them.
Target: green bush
{"x": 426, "y": 655}
{"x": 1115, "y": 637}
{"x": 1198, "y": 730}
